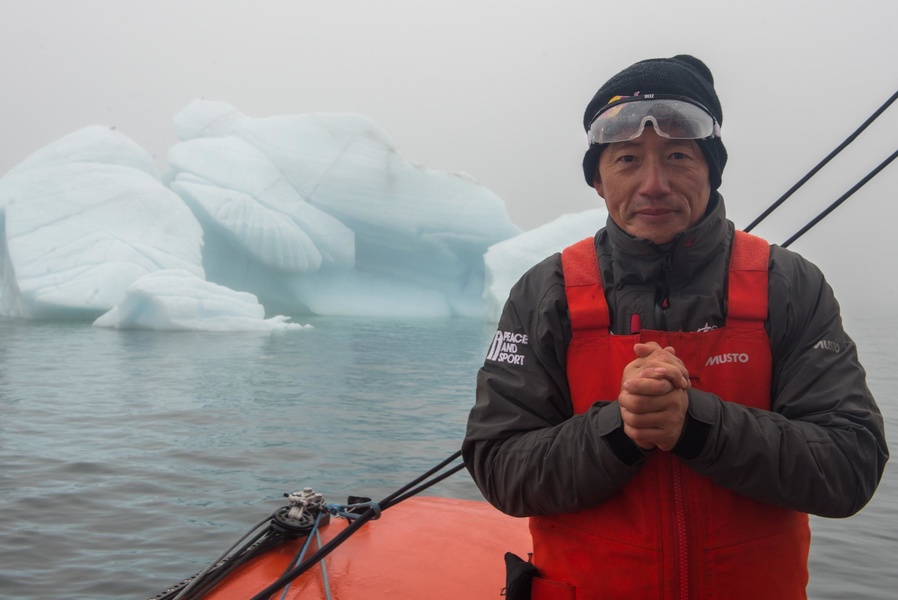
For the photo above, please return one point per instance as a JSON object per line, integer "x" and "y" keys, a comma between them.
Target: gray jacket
{"x": 821, "y": 449}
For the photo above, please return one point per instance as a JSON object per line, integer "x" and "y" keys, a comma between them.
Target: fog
{"x": 496, "y": 90}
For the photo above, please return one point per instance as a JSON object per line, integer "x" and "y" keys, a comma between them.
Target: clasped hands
{"x": 653, "y": 398}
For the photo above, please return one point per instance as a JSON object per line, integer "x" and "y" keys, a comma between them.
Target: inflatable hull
{"x": 423, "y": 547}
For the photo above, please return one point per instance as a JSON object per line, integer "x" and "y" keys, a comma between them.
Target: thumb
{"x": 643, "y": 350}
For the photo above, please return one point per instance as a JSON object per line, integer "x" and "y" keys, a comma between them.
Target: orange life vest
{"x": 671, "y": 533}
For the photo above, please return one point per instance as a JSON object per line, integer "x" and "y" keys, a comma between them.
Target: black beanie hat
{"x": 682, "y": 75}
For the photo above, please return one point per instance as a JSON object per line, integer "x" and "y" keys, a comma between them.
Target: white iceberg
{"x": 320, "y": 214}
{"x": 508, "y": 260}
{"x": 174, "y": 299}
{"x": 83, "y": 218}
{"x": 312, "y": 214}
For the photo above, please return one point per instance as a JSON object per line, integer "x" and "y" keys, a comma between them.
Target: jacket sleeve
{"x": 822, "y": 448}
{"x": 524, "y": 449}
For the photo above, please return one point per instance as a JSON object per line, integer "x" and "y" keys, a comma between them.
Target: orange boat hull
{"x": 423, "y": 547}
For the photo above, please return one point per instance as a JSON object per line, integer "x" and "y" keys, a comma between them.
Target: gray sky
{"x": 494, "y": 89}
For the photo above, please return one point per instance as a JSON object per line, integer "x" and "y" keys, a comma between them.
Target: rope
{"x": 374, "y": 509}
{"x": 350, "y": 511}
{"x": 324, "y": 580}
{"x": 303, "y": 517}
{"x": 302, "y": 551}
{"x": 823, "y": 162}
{"x": 218, "y": 562}
{"x": 841, "y": 199}
{"x": 198, "y": 585}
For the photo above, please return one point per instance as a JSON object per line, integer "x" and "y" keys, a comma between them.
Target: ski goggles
{"x": 673, "y": 117}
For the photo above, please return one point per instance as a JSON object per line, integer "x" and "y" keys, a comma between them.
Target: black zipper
{"x": 662, "y": 292}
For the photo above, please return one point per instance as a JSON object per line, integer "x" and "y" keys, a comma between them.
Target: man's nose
{"x": 655, "y": 179}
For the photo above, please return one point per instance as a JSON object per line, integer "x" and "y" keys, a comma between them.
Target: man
{"x": 682, "y": 395}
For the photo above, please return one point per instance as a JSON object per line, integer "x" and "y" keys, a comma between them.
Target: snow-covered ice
{"x": 314, "y": 214}
{"x": 508, "y": 260}
{"x": 82, "y": 219}
{"x": 319, "y": 213}
{"x": 175, "y": 299}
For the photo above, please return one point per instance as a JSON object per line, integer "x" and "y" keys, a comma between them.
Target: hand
{"x": 653, "y": 399}
{"x": 652, "y": 356}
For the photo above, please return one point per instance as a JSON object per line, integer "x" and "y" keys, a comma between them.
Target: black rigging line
{"x": 841, "y": 199}
{"x": 373, "y": 512}
{"x": 822, "y": 163}
{"x": 268, "y": 534}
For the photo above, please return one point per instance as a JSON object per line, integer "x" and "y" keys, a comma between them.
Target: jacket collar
{"x": 637, "y": 259}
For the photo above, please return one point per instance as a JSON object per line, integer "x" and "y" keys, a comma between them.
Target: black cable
{"x": 396, "y": 497}
{"x": 188, "y": 590}
{"x": 388, "y": 500}
{"x": 256, "y": 542}
{"x": 841, "y": 199}
{"x": 822, "y": 163}
{"x": 215, "y": 577}
{"x": 200, "y": 584}
{"x": 322, "y": 552}
{"x": 426, "y": 485}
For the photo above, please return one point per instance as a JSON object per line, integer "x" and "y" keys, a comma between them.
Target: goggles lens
{"x": 673, "y": 118}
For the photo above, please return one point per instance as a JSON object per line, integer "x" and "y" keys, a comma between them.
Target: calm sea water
{"x": 129, "y": 460}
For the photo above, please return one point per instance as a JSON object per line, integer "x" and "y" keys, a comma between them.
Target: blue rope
{"x": 323, "y": 563}
{"x": 302, "y": 551}
{"x": 342, "y": 510}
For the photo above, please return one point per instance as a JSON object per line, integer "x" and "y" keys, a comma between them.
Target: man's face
{"x": 654, "y": 187}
